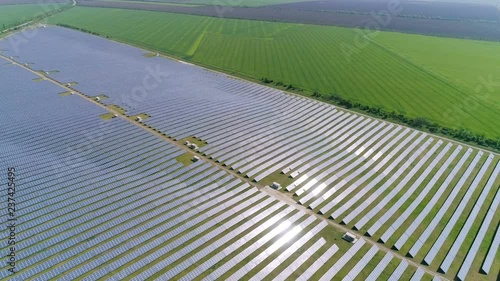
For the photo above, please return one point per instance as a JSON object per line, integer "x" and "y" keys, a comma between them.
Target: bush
{"x": 79, "y": 29}
{"x": 420, "y": 122}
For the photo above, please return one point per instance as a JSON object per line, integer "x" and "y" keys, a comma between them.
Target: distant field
{"x": 469, "y": 11}
{"x": 315, "y": 58}
{"x": 461, "y": 61}
{"x": 168, "y": 3}
{"x": 12, "y": 15}
{"x": 470, "y": 21}
{"x": 240, "y": 3}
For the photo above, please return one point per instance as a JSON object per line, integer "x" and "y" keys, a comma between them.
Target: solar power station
{"x": 274, "y": 182}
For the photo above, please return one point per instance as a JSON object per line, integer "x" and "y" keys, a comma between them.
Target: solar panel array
{"x": 396, "y": 184}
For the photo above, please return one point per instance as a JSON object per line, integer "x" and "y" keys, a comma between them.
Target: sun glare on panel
{"x": 320, "y": 188}
{"x": 286, "y": 237}
{"x": 283, "y": 226}
{"x": 290, "y": 234}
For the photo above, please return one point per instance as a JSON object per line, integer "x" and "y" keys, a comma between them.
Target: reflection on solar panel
{"x": 417, "y": 276}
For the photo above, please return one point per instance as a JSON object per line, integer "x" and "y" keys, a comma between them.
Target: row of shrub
{"x": 420, "y": 123}
{"x": 78, "y": 28}
{"x": 281, "y": 84}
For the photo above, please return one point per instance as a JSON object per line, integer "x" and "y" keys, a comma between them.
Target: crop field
{"x": 239, "y": 3}
{"x": 303, "y": 55}
{"x": 422, "y": 206}
{"x": 12, "y": 15}
{"x": 447, "y": 10}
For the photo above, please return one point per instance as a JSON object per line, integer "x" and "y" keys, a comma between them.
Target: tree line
{"x": 81, "y": 29}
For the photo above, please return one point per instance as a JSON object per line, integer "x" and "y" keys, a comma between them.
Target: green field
{"x": 12, "y": 15}
{"x": 317, "y": 58}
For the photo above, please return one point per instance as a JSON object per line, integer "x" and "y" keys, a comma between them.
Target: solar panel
{"x": 377, "y": 271}
{"x": 244, "y": 253}
{"x": 105, "y": 197}
{"x": 414, "y": 204}
{"x": 332, "y": 171}
{"x": 290, "y": 234}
